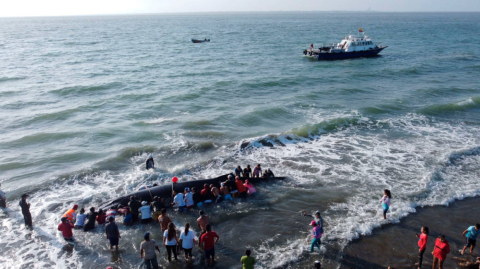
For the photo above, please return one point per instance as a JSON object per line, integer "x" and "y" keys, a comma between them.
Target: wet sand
{"x": 395, "y": 245}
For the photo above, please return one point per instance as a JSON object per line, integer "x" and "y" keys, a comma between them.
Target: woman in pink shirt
{"x": 422, "y": 244}
{"x": 249, "y": 186}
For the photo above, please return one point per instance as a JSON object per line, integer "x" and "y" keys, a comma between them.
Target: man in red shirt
{"x": 207, "y": 242}
{"x": 66, "y": 228}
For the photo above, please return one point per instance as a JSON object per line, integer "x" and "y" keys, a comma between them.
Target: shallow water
{"x": 84, "y": 101}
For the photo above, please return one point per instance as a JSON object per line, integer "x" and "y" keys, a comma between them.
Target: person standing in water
{"x": 247, "y": 261}
{"x": 471, "y": 237}
{"x": 66, "y": 228}
{"x": 71, "y": 215}
{"x": 202, "y": 222}
{"x": 179, "y": 200}
{"x": 3, "y": 198}
{"x": 112, "y": 232}
{"x": 317, "y": 218}
{"x": 147, "y": 252}
{"x": 422, "y": 244}
{"x": 134, "y": 206}
{"x": 442, "y": 248}
{"x": 208, "y": 241}
{"x": 386, "y": 202}
{"x": 317, "y": 235}
{"x": 80, "y": 219}
{"x": 90, "y": 223}
{"x": 27, "y": 217}
{"x": 238, "y": 171}
{"x": 164, "y": 220}
{"x": 247, "y": 172}
{"x": 188, "y": 241}
{"x": 150, "y": 163}
{"x": 170, "y": 240}
{"x": 257, "y": 171}
{"x": 101, "y": 217}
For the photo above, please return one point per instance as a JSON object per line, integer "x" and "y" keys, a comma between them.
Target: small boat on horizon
{"x": 200, "y": 40}
{"x": 350, "y": 47}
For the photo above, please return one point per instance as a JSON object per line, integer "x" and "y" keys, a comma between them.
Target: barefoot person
{"x": 207, "y": 242}
{"x": 27, "y": 217}
{"x": 422, "y": 244}
{"x": 471, "y": 237}
{"x": 164, "y": 220}
{"x": 442, "y": 248}
{"x": 147, "y": 252}
{"x": 467, "y": 264}
{"x": 317, "y": 218}
{"x": 170, "y": 240}
{"x": 316, "y": 235}
{"x": 386, "y": 202}
{"x": 202, "y": 222}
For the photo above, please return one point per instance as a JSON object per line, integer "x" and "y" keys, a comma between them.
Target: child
{"x": 386, "y": 202}
{"x": 316, "y": 234}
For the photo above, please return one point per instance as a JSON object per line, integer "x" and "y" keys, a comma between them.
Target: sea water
{"x": 85, "y": 100}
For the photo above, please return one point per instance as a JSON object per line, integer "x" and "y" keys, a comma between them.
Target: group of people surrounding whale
{"x": 185, "y": 201}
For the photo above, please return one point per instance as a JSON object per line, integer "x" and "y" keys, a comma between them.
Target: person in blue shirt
{"x": 238, "y": 171}
{"x": 471, "y": 237}
{"x": 128, "y": 219}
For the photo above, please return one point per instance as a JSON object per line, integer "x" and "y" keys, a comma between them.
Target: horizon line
{"x": 229, "y": 12}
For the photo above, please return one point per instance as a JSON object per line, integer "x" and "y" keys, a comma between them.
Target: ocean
{"x": 85, "y": 100}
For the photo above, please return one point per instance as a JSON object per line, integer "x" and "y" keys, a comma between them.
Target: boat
{"x": 200, "y": 40}
{"x": 165, "y": 191}
{"x": 350, "y": 47}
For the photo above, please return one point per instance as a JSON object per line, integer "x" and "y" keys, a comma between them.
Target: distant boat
{"x": 350, "y": 47}
{"x": 200, "y": 40}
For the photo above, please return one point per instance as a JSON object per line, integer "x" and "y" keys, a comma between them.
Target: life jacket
{"x": 69, "y": 214}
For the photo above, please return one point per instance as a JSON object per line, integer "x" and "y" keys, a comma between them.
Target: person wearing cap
{"x": 225, "y": 191}
{"x": 150, "y": 163}
{"x": 147, "y": 252}
{"x": 157, "y": 205}
{"x": 242, "y": 191}
{"x": 247, "y": 261}
{"x": 3, "y": 198}
{"x": 189, "y": 198}
{"x": 146, "y": 212}
{"x": 250, "y": 189}
{"x": 134, "y": 205}
{"x": 66, "y": 228}
{"x": 179, "y": 201}
{"x": 317, "y": 265}
{"x": 216, "y": 193}
{"x": 70, "y": 214}
{"x": 27, "y": 217}
{"x": 112, "y": 232}
{"x": 80, "y": 219}
{"x": 316, "y": 234}
{"x": 317, "y": 218}
{"x": 90, "y": 222}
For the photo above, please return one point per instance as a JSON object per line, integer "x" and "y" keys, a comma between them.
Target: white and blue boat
{"x": 350, "y": 47}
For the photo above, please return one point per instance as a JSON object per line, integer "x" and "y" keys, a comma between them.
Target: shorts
{"x": 156, "y": 214}
{"x": 209, "y": 253}
{"x": 188, "y": 252}
{"x": 385, "y": 208}
{"x": 144, "y": 221}
{"x": 199, "y": 204}
{"x": 113, "y": 241}
{"x": 470, "y": 242}
{"x": 182, "y": 208}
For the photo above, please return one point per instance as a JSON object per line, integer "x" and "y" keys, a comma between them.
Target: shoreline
{"x": 395, "y": 244}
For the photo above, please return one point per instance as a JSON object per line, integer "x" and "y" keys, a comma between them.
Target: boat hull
{"x": 165, "y": 191}
{"x": 348, "y": 55}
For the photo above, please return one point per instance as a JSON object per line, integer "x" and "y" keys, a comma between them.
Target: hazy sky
{"x": 13, "y": 8}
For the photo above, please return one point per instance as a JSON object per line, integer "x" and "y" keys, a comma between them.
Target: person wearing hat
{"x": 3, "y": 198}
{"x": 250, "y": 189}
{"x": 66, "y": 228}
{"x": 134, "y": 205}
{"x": 247, "y": 261}
{"x": 147, "y": 252}
{"x": 71, "y": 215}
{"x": 157, "y": 205}
{"x": 26, "y": 210}
{"x": 146, "y": 212}
{"x": 189, "y": 198}
{"x": 112, "y": 232}
{"x": 316, "y": 234}
{"x": 150, "y": 163}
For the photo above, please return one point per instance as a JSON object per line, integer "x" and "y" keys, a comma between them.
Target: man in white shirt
{"x": 147, "y": 252}
{"x": 145, "y": 210}
{"x": 189, "y": 198}
{"x": 179, "y": 200}
{"x": 3, "y": 198}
